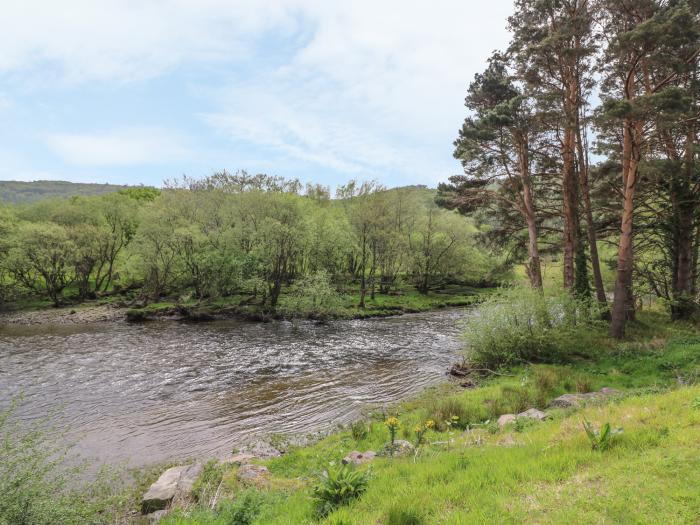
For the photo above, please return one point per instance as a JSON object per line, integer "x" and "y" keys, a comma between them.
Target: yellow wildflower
{"x": 429, "y": 424}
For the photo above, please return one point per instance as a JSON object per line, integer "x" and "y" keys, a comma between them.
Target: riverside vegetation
{"x": 257, "y": 246}
{"x": 626, "y": 458}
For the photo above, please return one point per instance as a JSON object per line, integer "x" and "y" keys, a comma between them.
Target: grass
{"x": 542, "y": 472}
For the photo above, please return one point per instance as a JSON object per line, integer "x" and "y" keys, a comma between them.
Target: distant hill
{"x": 16, "y": 191}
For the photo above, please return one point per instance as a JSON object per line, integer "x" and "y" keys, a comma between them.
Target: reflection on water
{"x": 164, "y": 390}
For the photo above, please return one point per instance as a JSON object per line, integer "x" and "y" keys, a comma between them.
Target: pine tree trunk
{"x": 534, "y": 269}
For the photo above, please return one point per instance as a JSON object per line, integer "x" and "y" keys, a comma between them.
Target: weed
{"x": 339, "y": 486}
{"x": 602, "y": 438}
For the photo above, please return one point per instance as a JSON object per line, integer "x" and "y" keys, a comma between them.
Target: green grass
{"x": 536, "y": 473}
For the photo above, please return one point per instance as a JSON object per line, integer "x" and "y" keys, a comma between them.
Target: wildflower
{"x": 393, "y": 422}
{"x": 429, "y": 424}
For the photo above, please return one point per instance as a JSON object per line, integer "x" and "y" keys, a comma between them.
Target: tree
{"x": 495, "y": 147}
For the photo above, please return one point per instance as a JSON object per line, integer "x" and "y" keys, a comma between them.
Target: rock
{"x": 576, "y": 400}
{"x": 155, "y": 517}
{"x": 262, "y": 450}
{"x": 401, "y": 448}
{"x": 358, "y": 458}
{"x": 506, "y": 419}
{"x": 253, "y": 474}
{"x": 238, "y": 459}
{"x": 188, "y": 477}
{"x": 162, "y": 492}
{"x": 507, "y": 441}
{"x": 533, "y": 413}
{"x": 568, "y": 401}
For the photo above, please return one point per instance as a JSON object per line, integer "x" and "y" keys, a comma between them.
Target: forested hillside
{"x": 18, "y": 191}
{"x": 241, "y": 238}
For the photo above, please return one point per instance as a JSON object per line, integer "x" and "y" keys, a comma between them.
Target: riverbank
{"x": 513, "y": 449}
{"x": 116, "y": 308}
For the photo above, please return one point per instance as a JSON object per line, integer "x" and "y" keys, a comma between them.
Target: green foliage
{"x": 601, "y": 439}
{"x": 313, "y": 296}
{"x": 359, "y": 430}
{"x": 39, "y": 487}
{"x": 404, "y": 516}
{"x": 338, "y": 487}
{"x": 207, "y": 483}
{"x": 244, "y": 509}
{"x": 522, "y": 325}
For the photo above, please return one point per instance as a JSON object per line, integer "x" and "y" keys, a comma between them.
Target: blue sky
{"x": 138, "y": 92}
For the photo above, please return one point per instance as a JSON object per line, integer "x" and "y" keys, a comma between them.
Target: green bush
{"x": 339, "y": 486}
{"x": 244, "y": 509}
{"x": 521, "y": 325}
{"x": 313, "y": 297}
{"x": 38, "y": 488}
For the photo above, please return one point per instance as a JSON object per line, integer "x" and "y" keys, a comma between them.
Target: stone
{"x": 188, "y": 478}
{"x": 506, "y": 419}
{"x": 155, "y": 517}
{"x": 253, "y": 474}
{"x": 576, "y": 400}
{"x": 401, "y": 448}
{"x": 162, "y": 492}
{"x": 568, "y": 401}
{"x": 358, "y": 458}
{"x": 533, "y": 413}
{"x": 262, "y": 450}
{"x": 238, "y": 459}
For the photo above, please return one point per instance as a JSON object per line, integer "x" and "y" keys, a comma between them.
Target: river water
{"x": 163, "y": 391}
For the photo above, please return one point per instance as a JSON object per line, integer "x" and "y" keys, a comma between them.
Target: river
{"x": 162, "y": 391}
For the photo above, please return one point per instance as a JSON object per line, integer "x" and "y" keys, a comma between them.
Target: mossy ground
{"x": 534, "y": 472}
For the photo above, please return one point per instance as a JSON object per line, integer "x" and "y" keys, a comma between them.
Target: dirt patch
{"x": 66, "y": 315}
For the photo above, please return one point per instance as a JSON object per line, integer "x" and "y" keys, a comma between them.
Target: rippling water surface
{"x": 163, "y": 390}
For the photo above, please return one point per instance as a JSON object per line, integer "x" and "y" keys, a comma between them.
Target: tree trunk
{"x": 534, "y": 267}
{"x": 623, "y": 282}
{"x": 592, "y": 236}
{"x": 570, "y": 211}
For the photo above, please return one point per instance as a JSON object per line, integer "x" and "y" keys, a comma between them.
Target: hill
{"x": 18, "y": 191}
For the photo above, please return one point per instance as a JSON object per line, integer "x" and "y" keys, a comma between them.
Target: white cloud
{"x": 126, "y": 146}
{"x": 360, "y": 87}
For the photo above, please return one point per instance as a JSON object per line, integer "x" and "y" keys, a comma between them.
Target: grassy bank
{"x": 471, "y": 471}
{"x": 406, "y": 300}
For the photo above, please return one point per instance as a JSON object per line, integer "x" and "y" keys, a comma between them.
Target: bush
{"x": 522, "y": 325}
{"x": 311, "y": 297}
{"x": 38, "y": 488}
{"x": 339, "y": 486}
{"x": 244, "y": 509}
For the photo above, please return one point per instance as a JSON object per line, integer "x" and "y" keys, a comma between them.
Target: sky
{"x": 137, "y": 92}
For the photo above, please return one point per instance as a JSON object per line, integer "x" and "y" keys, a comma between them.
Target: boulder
{"x": 576, "y": 400}
{"x": 155, "y": 517}
{"x": 162, "y": 492}
{"x": 358, "y": 458}
{"x": 261, "y": 449}
{"x": 400, "y": 448}
{"x": 533, "y": 413}
{"x": 253, "y": 474}
{"x": 506, "y": 419}
{"x": 188, "y": 478}
{"x": 238, "y": 459}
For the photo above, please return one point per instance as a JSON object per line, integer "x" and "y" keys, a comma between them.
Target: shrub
{"x": 244, "y": 509}
{"x": 339, "y": 486}
{"x": 602, "y": 438}
{"x": 359, "y": 430}
{"x": 207, "y": 483}
{"x": 311, "y": 297}
{"x": 523, "y": 325}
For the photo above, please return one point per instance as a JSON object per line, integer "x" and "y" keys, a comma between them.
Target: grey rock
{"x": 533, "y": 413}
{"x": 358, "y": 458}
{"x": 162, "y": 492}
{"x": 400, "y": 448}
{"x": 263, "y": 450}
{"x": 577, "y": 400}
{"x": 568, "y": 401}
{"x": 238, "y": 459}
{"x": 155, "y": 517}
{"x": 253, "y": 474}
{"x": 506, "y": 419}
{"x": 188, "y": 477}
